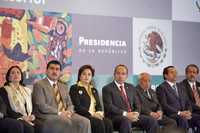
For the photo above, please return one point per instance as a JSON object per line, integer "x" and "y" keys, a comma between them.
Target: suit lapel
{"x": 128, "y": 94}
{"x": 145, "y": 95}
{"x": 198, "y": 87}
{"x": 189, "y": 89}
{"x": 62, "y": 92}
{"x": 49, "y": 87}
{"x": 181, "y": 95}
{"x": 170, "y": 89}
{"x": 153, "y": 98}
{"x": 117, "y": 91}
{"x": 94, "y": 92}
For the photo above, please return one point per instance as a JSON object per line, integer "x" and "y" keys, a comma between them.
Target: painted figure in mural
{"x": 6, "y": 32}
{"x": 57, "y": 41}
{"x": 30, "y": 39}
{"x": 9, "y": 49}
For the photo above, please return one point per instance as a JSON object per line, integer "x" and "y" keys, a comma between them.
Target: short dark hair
{"x": 191, "y": 65}
{"x": 121, "y": 65}
{"x": 82, "y": 68}
{"x": 55, "y": 62}
{"x": 8, "y": 76}
{"x": 165, "y": 71}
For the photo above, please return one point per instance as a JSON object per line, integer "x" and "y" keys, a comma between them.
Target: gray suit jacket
{"x": 148, "y": 105}
{"x": 44, "y": 104}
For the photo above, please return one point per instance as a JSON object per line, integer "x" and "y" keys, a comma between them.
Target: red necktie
{"x": 196, "y": 95}
{"x": 125, "y": 98}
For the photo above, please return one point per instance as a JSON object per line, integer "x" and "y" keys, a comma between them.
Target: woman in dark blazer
{"x": 8, "y": 125}
{"x": 86, "y": 101}
{"x": 17, "y": 99}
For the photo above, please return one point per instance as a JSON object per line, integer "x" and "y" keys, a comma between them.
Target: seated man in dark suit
{"x": 192, "y": 86}
{"x": 174, "y": 101}
{"x": 121, "y": 104}
{"x": 150, "y": 104}
{"x": 8, "y": 125}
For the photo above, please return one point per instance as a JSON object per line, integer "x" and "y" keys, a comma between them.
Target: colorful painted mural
{"x": 31, "y": 38}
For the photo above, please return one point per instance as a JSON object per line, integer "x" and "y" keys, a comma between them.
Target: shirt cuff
{"x": 1, "y": 115}
{"x": 59, "y": 113}
{"x": 179, "y": 112}
{"x": 19, "y": 118}
{"x": 124, "y": 113}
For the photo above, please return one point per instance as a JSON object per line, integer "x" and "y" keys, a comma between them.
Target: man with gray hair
{"x": 150, "y": 104}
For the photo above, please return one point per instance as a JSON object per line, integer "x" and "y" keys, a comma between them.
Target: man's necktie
{"x": 125, "y": 98}
{"x": 175, "y": 89}
{"x": 196, "y": 95}
{"x": 148, "y": 94}
{"x": 58, "y": 98}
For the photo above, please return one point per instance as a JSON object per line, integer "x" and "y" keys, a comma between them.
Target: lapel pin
{"x": 80, "y": 92}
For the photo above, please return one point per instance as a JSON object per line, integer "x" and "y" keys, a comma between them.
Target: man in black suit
{"x": 150, "y": 104}
{"x": 8, "y": 125}
{"x": 192, "y": 86}
{"x": 121, "y": 104}
{"x": 174, "y": 101}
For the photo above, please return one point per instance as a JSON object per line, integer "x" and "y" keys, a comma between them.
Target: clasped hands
{"x": 29, "y": 119}
{"x": 133, "y": 116}
{"x": 65, "y": 115}
{"x": 186, "y": 114}
{"x": 98, "y": 115}
{"x": 157, "y": 115}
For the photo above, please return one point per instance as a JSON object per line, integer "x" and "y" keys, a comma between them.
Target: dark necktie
{"x": 125, "y": 98}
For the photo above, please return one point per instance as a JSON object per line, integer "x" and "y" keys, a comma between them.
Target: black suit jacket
{"x": 148, "y": 105}
{"x": 114, "y": 105}
{"x": 170, "y": 102}
{"x": 81, "y": 100}
{"x": 3, "y": 108}
{"x": 7, "y": 110}
{"x": 188, "y": 91}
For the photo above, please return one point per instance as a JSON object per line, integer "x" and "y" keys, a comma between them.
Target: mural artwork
{"x": 31, "y": 38}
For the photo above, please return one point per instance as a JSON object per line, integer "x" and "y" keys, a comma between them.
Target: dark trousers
{"x": 186, "y": 124}
{"x": 101, "y": 126}
{"x": 124, "y": 125}
{"x": 27, "y": 127}
{"x": 9, "y": 125}
{"x": 195, "y": 122}
{"x": 167, "y": 123}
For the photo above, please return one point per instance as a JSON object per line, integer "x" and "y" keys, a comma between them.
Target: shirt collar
{"x": 81, "y": 85}
{"x": 51, "y": 82}
{"x": 191, "y": 83}
{"x": 170, "y": 83}
{"x": 118, "y": 85}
